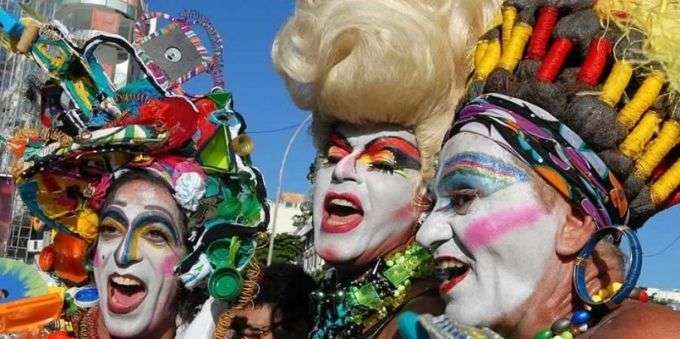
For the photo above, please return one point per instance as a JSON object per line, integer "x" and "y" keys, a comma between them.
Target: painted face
{"x": 490, "y": 230}
{"x": 140, "y": 241}
{"x": 366, "y": 182}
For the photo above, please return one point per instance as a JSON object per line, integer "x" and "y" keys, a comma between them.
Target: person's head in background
{"x": 281, "y": 308}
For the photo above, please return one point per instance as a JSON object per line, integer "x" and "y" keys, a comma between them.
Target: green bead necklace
{"x": 346, "y": 310}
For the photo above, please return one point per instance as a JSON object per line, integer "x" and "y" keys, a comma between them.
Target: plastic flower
{"x": 190, "y": 187}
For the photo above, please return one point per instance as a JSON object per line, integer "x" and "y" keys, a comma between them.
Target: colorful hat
{"x": 588, "y": 97}
{"x": 196, "y": 144}
{"x": 610, "y": 77}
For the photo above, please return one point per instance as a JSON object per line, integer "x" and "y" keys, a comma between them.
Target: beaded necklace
{"x": 580, "y": 320}
{"x": 347, "y": 310}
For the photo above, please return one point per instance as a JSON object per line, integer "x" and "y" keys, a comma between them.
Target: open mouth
{"x": 450, "y": 271}
{"x": 126, "y": 293}
{"x": 342, "y": 213}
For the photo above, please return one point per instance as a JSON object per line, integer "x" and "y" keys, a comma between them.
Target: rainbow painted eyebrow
{"x": 478, "y": 171}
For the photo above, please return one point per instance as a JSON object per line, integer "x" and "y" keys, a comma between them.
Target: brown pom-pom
{"x": 475, "y": 89}
{"x": 579, "y": 27}
{"x": 617, "y": 162}
{"x": 549, "y": 96}
{"x": 634, "y": 185}
{"x": 641, "y": 208}
{"x": 526, "y": 3}
{"x": 571, "y": 4}
{"x": 500, "y": 81}
{"x": 526, "y": 70}
{"x": 595, "y": 122}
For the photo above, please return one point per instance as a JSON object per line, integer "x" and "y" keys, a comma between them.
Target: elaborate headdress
{"x": 197, "y": 145}
{"x": 588, "y": 97}
{"x": 380, "y": 62}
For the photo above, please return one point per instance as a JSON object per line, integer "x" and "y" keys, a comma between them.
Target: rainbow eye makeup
{"x": 391, "y": 154}
{"x": 386, "y": 154}
{"x": 472, "y": 170}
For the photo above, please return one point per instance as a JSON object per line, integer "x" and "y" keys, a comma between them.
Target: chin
{"x": 330, "y": 251}
{"x": 467, "y": 315}
{"x": 124, "y": 327}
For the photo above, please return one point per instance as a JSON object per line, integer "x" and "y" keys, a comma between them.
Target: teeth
{"x": 450, "y": 263}
{"x": 343, "y": 202}
{"x": 125, "y": 281}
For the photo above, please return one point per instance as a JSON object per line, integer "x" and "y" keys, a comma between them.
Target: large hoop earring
{"x": 631, "y": 276}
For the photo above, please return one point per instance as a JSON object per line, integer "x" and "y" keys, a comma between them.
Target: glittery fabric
{"x": 554, "y": 152}
{"x": 440, "y": 327}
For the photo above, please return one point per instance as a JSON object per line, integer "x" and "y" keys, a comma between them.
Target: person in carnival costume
{"x": 149, "y": 190}
{"x": 565, "y": 145}
{"x": 381, "y": 79}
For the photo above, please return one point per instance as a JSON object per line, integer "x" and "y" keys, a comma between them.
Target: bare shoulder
{"x": 639, "y": 320}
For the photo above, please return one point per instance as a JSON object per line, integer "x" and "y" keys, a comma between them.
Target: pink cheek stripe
{"x": 488, "y": 229}
{"x": 97, "y": 259}
{"x": 168, "y": 265}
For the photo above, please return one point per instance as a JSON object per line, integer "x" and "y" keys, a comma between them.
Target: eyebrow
{"x": 394, "y": 144}
{"x": 157, "y": 218}
{"x": 119, "y": 202}
{"x": 337, "y": 139}
{"x": 160, "y": 209}
{"x": 116, "y": 214}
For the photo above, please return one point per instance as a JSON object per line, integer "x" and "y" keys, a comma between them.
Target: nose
{"x": 434, "y": 231}
{"x": 127, "y": 252}
{"x": 346, "y": 168}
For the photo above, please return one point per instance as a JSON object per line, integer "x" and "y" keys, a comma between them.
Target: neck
{"x": 366, "y": 261}
{"x": 162, "y": 331}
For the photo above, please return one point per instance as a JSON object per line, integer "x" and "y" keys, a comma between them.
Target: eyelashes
{"x": 385, "y": 161}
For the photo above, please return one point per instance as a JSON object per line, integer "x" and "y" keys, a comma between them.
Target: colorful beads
{"x": 560, "y": 325}
{"x": 545, "y": 334}
{"x": 580, "y": 317}
{"x": 644, "y": 297}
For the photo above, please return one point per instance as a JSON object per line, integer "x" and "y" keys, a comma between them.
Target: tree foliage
{"x": 288, "y": 248}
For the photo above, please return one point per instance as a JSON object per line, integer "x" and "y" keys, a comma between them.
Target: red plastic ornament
{"x": 644, "y": 297}
{"x": 46, "y": 258}
{"x": 176, "y": 115}
{"x": 205, "y": 106}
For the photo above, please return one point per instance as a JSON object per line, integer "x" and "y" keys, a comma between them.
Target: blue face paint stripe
{"x": 128, "y": 250}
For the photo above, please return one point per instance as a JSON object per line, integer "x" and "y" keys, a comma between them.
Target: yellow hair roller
{"x": 658, "y": 149}
{"x": 509, "y": 17}
{"x": 667, "y": 183}
{"x": 616, "y": 82}
{"x": 490, "y": 59}
{"x": 512, "y": 52}
{"x": 642, "y": 100}
{"x": 638, "y": 138}
{"x": 480, "y": 50}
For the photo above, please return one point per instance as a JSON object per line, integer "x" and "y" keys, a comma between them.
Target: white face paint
{"x": 490, "y": 230}
{"x": 364, "y": 194}
{"x": 140, "y": 241}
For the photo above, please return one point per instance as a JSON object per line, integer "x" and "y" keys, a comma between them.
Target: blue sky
{"x": 248, "y": 28}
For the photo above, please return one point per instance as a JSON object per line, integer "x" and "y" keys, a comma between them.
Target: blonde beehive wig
{"x": 401, "y": 62}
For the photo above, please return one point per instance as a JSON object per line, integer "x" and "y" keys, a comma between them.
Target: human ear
{"x": 574, "y": 234}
